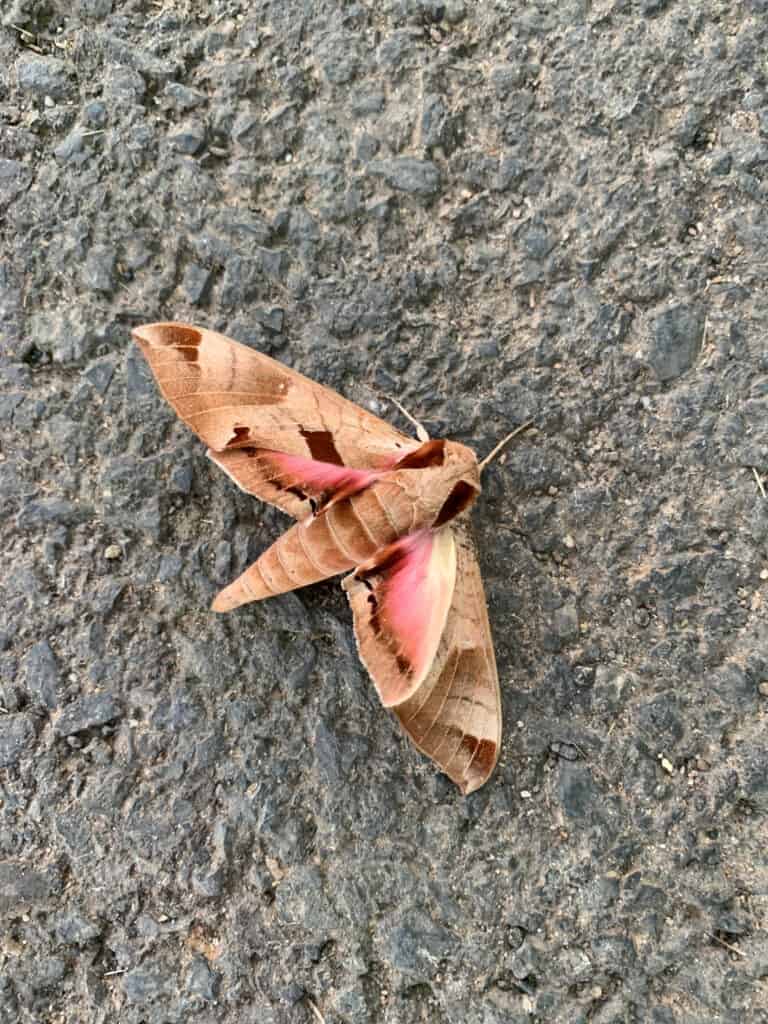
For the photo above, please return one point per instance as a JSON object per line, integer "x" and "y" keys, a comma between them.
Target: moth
{"x": 389, "y": 510}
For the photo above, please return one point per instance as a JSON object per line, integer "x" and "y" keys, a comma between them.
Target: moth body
{"x": 427, "y": 488}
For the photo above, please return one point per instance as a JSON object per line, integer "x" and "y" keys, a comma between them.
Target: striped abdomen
{"x": 347, "y": 533}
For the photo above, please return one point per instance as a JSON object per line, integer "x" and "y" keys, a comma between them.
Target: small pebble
{"x": 113, "y": 551}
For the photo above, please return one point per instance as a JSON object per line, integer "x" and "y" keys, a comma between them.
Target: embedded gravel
{"x": 494, "y": 212}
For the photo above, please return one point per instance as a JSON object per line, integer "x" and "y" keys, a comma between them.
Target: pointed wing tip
{"x": 145, "y": 334}
{"x": 468, "y": 788}
{"x": 165, "y": 333}
{"x": 480, "y": 768}
{"x": 472, "y": 783}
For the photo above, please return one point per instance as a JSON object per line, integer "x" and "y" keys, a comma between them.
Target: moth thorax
{"x": 450, "y": 485}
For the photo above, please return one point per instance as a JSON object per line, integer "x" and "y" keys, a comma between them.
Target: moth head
{"x": 449, "y": 477}
{"x": 462, "y": 478}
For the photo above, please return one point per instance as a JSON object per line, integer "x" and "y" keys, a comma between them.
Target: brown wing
{"x": 244, "y": 405}
{"x": 454, "y": 717}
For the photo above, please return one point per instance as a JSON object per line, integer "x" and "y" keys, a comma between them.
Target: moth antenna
{"x": 503, "y": 444}
{"x": 421, "y": 431}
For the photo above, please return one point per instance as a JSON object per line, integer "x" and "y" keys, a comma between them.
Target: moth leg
{"x": 421, "y": 431}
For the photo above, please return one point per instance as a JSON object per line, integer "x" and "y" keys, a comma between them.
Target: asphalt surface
{"x": 493, "y": 212}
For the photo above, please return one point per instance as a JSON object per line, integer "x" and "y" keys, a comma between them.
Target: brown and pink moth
{"x": 389, "y": 510}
